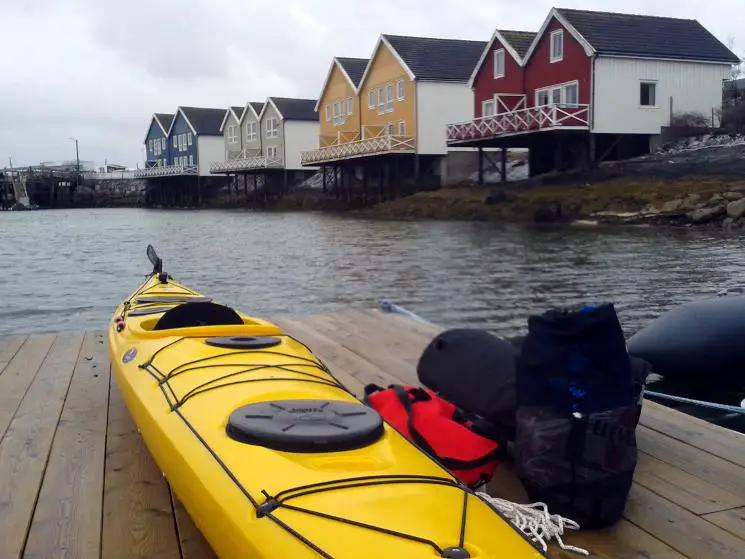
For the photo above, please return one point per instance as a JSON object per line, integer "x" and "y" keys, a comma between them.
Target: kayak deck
{"x": 68, "y": 439}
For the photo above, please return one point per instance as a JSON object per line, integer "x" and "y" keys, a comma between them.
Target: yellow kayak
{"x": 272, "y": 456}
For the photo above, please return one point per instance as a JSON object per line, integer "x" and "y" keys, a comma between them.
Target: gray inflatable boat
{"x": 703, "y": 338}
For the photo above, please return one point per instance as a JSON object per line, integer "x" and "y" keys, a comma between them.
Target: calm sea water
{"x": 68, "y": 269}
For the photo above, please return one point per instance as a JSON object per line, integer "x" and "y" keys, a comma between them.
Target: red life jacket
{"x": 438, "y": 428}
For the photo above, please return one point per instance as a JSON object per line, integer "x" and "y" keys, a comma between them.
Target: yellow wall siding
{"x": 338, "y": 89}
{"x": 385, "y": 70}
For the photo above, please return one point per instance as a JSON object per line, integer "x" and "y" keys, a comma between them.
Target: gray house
{"x": 231, "y": 132}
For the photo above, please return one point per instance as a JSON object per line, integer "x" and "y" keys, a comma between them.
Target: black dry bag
{"x": 578, "y": 405}
{"x": 475, "y": 370}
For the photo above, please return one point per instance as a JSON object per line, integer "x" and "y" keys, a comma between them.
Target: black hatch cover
{"x": 306, "y": 425}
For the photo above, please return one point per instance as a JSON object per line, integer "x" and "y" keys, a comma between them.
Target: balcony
{"x": 340, "y": 149}
{"x": 246, "y": 160}
{"x": 154, "y": 171}
{"x": 520, "y": 121}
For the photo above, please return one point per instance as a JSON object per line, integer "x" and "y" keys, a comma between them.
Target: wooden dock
{"x": 77, "y": 482}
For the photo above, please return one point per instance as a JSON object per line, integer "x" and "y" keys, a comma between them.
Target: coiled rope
{"x": 535, "y": 522}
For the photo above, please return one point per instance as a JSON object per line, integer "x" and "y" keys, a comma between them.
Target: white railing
{"x": 545, "y": 117}
{"x": 246, "y": 164}
{"x": 166, "y": 171}
{"x": 109, "y": 175}
{"x": 358, "y": 148}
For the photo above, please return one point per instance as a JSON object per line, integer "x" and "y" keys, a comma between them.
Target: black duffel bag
{"x": 475, "y": 370}
{"x": 578, "y": 405}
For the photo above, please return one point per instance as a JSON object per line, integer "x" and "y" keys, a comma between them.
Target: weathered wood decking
{"x": 76, "y": 480}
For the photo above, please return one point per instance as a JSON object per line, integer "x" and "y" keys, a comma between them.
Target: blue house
{"x": 195, "y": 139}
{"x": 156, "y": 140}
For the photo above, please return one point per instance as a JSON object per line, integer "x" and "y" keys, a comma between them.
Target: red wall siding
{"x": 485, "y": 86}
{"x": 576, "y": 65}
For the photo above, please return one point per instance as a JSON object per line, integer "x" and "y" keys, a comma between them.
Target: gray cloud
{"x": 98, "y": 69}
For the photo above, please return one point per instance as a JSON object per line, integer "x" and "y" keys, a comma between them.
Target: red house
{"x": 591, "y": 85}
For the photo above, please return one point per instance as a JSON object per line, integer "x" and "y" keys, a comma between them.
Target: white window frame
{"x": 150, "y": 144}
{"x": 371, "y": 99}
{"x": 271, "y": 152}
{"x": 484, "y": 104}
{"x": 189, "y": 137}
{"x": 390, "y": 129}
{"x": 562, "y": 89}
{"x": 381, "y": 101}
{"x": 653, "y": 83}
{"x": 272, "y": 131}
{"x": 350, "y": 106}
{"x": 328, "y": 112}
{"x": 400, "y": 89}
{"x": 251, "y": 131}
{"x": 181, "y": 142}
{"x": 553, "y": 55}
{"x": 163, "y": 143}
{"x": 402, "y": 128}
{"x": 191, "y": 160}
{"x": 499, "y": 57}
{"x": 232, "y": 135}
{"x": 389, "y": 97}
{"x": 565, "y": 89}
{"x": 175, "y": 141}
{"x": 538, "y": 94}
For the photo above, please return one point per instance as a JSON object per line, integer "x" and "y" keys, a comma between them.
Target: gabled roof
{"x": 163, "y": 120}
{"x": 639, "y": 36}
{"x": 252, "y": 107}
{"x": 351, "y": 68}
{"x": 237, "y": 113}
{"x": 201, "y": 121}
{"x": 516, "y": 43}
{"x": 291, "y": 108}
{"x": 431, "y": 59}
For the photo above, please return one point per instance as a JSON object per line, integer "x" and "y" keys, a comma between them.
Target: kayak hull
{"x": 182, "y": 387}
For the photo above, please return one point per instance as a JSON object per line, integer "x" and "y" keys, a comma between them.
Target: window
{"x": 191, "y": 160}
{"x": 156, "y": 147}
{"x": 499, "y": 63}
{"x": 232, "y": 134}
{"x": 487, "y": 108}
{"x": 328, "y": 112}
{"x": 401, "y": 89}
{"x": 401, "y": 128}
{"x": 571, "y": 94}
{"x": 163, "y": 143}
{"x": 648, "y": 94}
{"x": 350, "y": 107}
{"x": 556, "y": 96}
{"x": 389, "y": 97}
{"x": 371, "y": 99}
{"x": 175, "y": 141}
{"x": 150, "y": 144}
{"x": 272, "y": 130}
{"x": 181, "y": 142}
{"x": 250, "y": 131}
{"x": 557, "y": 45}
{"x": 271, "y": 152}
{"x": 391, "y": 128}
{"x": 542, "y": 98}
{"x": 189, "y": 136}
{"x": 381, "y": 101}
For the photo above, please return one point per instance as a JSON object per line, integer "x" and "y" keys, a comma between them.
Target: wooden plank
{"x": 138, "y": 519}
{"x": 9, "y": 346}
{"x": 691, "y": 535}
{"x": 715, "y": 470}
{"x": 687, "y": 490}
{"x": 25, "y": 447}
{"x": 349, "y": 368}
{"x": 193, "y": 543}
{"x": 731, "y": 520}
{"x": 19, "y": 374}
{"x": 394, "y": 369}
{"x": 400, "y": 339}
{"x": 68, "y": 512}
{"x": 721, "y": 442}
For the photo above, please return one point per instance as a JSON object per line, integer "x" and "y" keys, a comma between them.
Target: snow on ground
{"x": 694, "y": 143}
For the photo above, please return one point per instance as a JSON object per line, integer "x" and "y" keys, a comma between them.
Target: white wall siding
{"x": 437, "y": 105}
{"x": 300, "y": 135}
{"x": 211, "y": 149}
{"x": 692, "y": 86}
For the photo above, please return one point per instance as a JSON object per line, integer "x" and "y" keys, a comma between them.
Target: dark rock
{"x": 704, "y": 215}
{"x": 548, "y": 213}
{"x": 732, "y": 196}
{"x": 495, "y": 197}
{"x": 736, "y": 209}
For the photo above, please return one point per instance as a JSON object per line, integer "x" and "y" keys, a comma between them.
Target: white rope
{"x": 535, "y": 521}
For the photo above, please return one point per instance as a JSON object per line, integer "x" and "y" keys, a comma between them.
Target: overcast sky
{"x": 97, "y": 69}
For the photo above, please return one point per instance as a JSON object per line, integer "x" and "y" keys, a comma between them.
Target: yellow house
{"x": 338, "y": 105}
{"x": 411, "y": 88}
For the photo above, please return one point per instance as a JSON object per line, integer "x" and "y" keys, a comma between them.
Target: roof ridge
{"x": 423, "y": 37}
{"x": 627, "y": 14}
